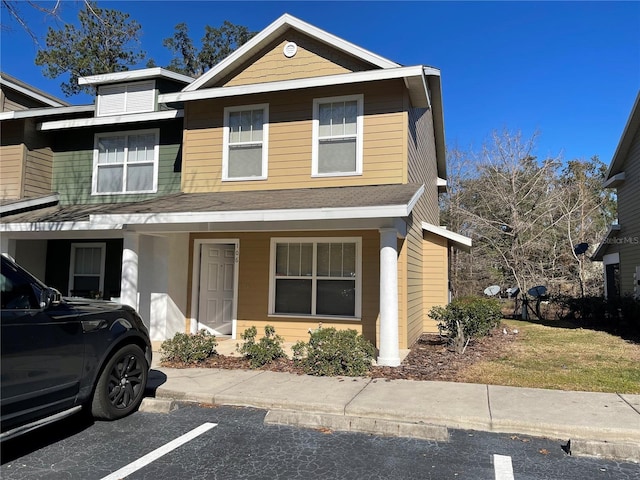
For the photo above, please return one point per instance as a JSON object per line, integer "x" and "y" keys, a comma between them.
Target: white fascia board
{"x": 614, "y": 181}
{"x": 29, "y": 203}
{"x": 130, "y": 75}
{"x": 414, "y": 199}
{"x": 32, "y": 94}
{"x": 626, "y": 139}
{"x": 57, "y": 226}
{"x": 274, "y": 29}
{"x": 386, "y": 211}
{"x": 111, "y": 120}
{"x": 285, "y": 85}
{"x": 45, "y": 112}
{"x": 441, "y": 182}
{"x": 597, "y": 256}
{"x": 460, "y": 241}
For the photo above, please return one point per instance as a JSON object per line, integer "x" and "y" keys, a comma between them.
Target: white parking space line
{"x": 159, "y": 452}
{"x": 503, "y": 468}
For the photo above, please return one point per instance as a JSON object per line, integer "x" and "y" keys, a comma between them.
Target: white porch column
{"x": 8, "y": 245}
{"x": 129, "y": 279}
{"x": 389, "y": 351}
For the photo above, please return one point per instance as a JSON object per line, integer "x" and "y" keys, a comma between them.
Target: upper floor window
{"x": 337, "y": 136}
{"x": 245, "y": 142}
{"x": 133, "y": 97}
{"x": 126, "y": 162}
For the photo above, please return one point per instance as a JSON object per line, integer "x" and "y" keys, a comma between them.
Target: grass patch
{"x": 562, "y": 358}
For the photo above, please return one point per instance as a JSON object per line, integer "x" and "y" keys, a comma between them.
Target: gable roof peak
{"x": 272, "y": 31}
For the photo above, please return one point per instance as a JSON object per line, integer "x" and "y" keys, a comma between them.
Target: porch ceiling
{"x": 198, "y": 211}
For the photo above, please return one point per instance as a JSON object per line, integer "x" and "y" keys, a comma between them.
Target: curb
{"x": 157, "y": 405}
{"x": 344, "y": 423}
{"x": 608, "y": 449}
{"x": 623, "y": 451}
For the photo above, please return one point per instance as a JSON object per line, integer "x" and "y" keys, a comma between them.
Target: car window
{"x": 16, "y": 293}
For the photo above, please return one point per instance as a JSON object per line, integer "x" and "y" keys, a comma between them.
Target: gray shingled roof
{"x": 304, "y": 198}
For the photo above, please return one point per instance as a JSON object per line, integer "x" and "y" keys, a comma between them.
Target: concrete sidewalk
{"x": 595, "y": 424}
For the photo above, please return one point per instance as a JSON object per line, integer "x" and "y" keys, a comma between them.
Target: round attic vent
{"x": 290, "y": 49}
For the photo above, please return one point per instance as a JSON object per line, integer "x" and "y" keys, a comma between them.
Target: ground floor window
{"x": 319, "y": 277}
{"x": 86, "y": 273}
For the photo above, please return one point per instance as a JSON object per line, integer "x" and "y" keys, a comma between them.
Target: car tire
{"x": 121, "y": 384}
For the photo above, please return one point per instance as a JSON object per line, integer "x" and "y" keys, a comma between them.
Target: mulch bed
{"x": 429, "y": 359}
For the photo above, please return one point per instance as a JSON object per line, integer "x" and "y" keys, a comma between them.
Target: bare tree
{"x": 525, "y": 216}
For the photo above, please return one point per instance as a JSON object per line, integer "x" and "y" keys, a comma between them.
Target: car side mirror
{"x": 51, "y": 297}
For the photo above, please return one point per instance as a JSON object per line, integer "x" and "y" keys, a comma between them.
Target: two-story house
{"x": 620, "y": 250}
{"x": 309, "y": 177}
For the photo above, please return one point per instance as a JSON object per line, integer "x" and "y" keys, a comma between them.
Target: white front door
{"x": 215, "y": 304}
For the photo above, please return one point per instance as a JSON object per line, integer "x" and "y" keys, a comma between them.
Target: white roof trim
{"x": 626, "y": 139}
{"x": 285, "y": 85}
{"x": 276, "y": 28}
{"x": 612, "y": 232}
{"x": 614, "y": 181}
{"x": 129, "y": 75}
{"x": 57, "y": 226}
{"x": 441, "y": 182}
{"x": 460, "y": 241}
{"x": 44, "y": 112}
{"x": 387, "y": 211}
{"x": 32, "y": 93}
{"x": 111, "y": 120}
{"x": 29, "y": 203}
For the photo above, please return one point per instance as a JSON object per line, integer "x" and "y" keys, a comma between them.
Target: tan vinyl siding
{"x": 290, "y": 140}
{"x": 629, "y": 219}
{"x": 38, "y": 172}
{"x": 422, "y": 166}
{"x": 11, "y": 170}
{"x": 415, "y": 282}
{"x": 429, "y": 265}
{"x": 253, "y": 284}
{"x": 435, "y": 276}
{"x": 313, "y": 59}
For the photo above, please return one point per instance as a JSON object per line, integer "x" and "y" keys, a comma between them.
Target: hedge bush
{"x": 264, "y": 351}
{"x": 188, "y": 348}
{"x": 331, "y": 352}
{"x": 467, "y": 318}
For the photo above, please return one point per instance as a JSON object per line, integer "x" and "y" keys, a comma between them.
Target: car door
{"x": 42, "y": 351}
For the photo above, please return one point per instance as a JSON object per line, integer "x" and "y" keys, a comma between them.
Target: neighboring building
{"x": 26, "y": 167}
{"x": 620, "y": 250}
{"x": 302, "y": 189}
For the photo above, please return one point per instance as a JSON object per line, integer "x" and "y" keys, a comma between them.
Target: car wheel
{"x": 120, "y": 387}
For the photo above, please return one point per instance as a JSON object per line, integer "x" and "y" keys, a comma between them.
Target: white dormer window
{"x": 136, "y": 97}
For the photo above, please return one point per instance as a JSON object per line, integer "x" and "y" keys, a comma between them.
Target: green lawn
{"x": 563, "y": 359}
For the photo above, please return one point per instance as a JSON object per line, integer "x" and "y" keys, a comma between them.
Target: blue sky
{"x": 568, "y": 70}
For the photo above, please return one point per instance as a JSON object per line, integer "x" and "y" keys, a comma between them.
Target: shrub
{"x": 188, "y": 348}
{"x": 266, "y": 350}
{"x": 334, "y": 352}
{"x": 465, "y": 319}
{"x": 617, "y": 315}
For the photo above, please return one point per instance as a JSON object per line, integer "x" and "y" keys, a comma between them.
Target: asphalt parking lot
{"x": 231, "y": 442}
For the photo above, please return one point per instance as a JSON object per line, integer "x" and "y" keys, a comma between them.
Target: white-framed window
{"x": 337, "y": 136}
{"x": 246, "y": 131}
{"x": 126, "y": 162}
{"x": 318, "y": 277}
{"x": 86, "y": 270}
{"x": 136, "y": 97}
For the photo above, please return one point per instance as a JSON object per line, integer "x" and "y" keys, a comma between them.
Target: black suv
{"x": 59, "y": 355}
